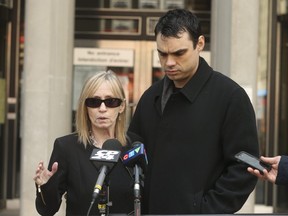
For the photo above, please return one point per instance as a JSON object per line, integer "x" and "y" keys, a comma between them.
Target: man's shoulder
{"x": 222, "y": 81}
{"x": 154, "y": 89}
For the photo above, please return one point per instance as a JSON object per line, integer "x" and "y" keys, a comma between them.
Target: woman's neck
{"x": 100, "y": 136}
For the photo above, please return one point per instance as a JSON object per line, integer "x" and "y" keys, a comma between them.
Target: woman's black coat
{"x": 76, "y": 176}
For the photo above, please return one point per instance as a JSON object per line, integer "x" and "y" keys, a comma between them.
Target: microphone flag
{"x": 136, "y": 155}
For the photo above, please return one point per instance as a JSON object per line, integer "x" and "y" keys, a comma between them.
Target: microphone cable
{"x": 90, "y": 207}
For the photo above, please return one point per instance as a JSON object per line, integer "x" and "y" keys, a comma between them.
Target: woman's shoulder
{"x": 68, "y": 137}
{"x": 68, "y": 140}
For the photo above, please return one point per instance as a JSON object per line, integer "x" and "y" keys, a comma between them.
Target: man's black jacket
{"x": 191, "y": 140}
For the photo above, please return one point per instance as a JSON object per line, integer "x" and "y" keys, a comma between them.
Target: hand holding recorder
{"x": 267, "y": 175}
{"x": 265, "y": 168}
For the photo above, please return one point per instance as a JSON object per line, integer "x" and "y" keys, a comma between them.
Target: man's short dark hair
{"x": 177, "y": 21}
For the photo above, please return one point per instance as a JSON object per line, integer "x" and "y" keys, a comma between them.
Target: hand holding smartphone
{"x": 252, "y": 161}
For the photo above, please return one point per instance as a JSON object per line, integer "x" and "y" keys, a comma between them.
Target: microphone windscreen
{"x": 108, "y": 155}
{"x": 136, "y": 155}
{"x": 136, "y": 144}
{"x": 133, "y": 137}
{"x": 112, "y": 144}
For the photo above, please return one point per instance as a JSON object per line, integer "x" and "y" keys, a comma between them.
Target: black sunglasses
{"x": 109, "y": 102}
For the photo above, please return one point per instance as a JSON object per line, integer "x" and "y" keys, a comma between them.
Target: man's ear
{"x": 201, "y": 43}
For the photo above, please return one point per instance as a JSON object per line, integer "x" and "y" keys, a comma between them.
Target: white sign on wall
{"x": 103, "y": 57}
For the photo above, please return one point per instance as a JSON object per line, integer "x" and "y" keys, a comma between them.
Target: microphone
{"x": 136, "y": 156}
{"x": 105, "y": 159}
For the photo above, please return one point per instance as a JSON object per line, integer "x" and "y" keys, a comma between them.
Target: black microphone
{"x": 136, "y": 156}
{"x": 105, "y": 159}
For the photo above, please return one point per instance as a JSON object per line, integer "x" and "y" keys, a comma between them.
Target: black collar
{"x": 192, "y": 88}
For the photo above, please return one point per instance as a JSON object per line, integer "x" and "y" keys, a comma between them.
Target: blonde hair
{"x": 82, "y": 121}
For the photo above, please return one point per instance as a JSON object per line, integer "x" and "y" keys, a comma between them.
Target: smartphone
{"x": 252, "y": 161}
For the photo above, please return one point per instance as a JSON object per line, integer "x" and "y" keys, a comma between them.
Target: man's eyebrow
{"x": 177, "y": 51}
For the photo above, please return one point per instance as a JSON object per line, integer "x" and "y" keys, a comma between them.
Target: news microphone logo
{"x": 105, "y": 155}
{"x": 132, "y": 153}
{"x": 136, "y": 155}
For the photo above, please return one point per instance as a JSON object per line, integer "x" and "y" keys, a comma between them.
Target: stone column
{"x": 46, "y": 88}
{"x": 234, "y": 47}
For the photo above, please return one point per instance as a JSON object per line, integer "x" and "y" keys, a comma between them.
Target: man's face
{"x": 178, "y": 57}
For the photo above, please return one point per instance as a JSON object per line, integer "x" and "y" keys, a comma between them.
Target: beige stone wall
{"x": 46, "y": 92}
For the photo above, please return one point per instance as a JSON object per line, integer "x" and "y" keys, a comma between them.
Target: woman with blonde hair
{"x": 101, "y": 115}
